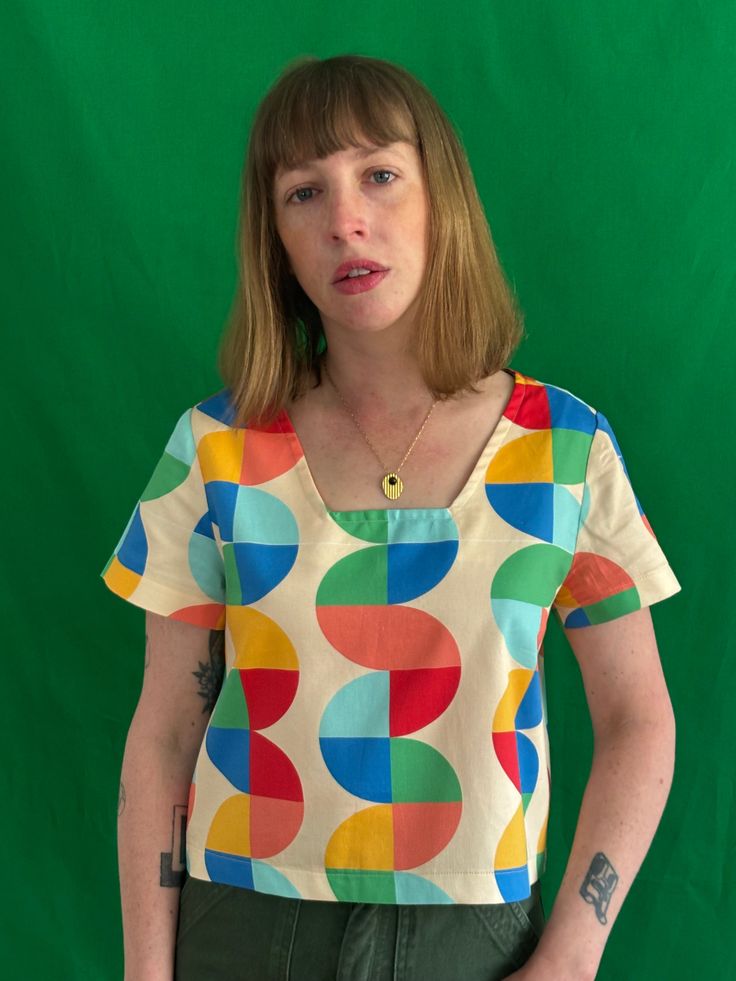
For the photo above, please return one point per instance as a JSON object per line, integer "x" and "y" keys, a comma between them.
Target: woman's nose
{"x": 346, "y": 212}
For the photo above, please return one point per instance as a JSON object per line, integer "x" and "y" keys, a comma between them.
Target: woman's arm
{"x": 624, "y": 798}
{"x": 181, "y": 679}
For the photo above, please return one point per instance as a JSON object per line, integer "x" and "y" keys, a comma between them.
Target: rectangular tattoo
{"x": 174, "y": 863}
{"x": 598, "y": 885}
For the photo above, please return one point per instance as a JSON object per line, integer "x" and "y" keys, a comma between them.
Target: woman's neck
{"x": 376, "y": 373}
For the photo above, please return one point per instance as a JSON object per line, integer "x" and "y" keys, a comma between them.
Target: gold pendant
{"x": 392, "y": 486}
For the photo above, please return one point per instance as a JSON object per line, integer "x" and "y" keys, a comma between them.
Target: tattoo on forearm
{"x": 598, "y": 885}
{"x": 147, "y": 659}
{"x": 210, "y": 675}
{"x": 174, "y": 863}
{"x": 121, "y": 799}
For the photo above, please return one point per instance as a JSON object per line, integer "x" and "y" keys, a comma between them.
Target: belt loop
{"x": 406, "y": 926}
{"x": 399, "y": 924}
{"x": 292, "y": 939}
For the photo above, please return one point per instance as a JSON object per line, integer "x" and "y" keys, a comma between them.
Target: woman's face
{"x": 363, "y": 204}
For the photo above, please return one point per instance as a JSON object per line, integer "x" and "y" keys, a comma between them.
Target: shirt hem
{"x": 441, "y": 887}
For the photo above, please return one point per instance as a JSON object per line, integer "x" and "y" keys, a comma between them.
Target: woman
{"x": 372, "y": 522}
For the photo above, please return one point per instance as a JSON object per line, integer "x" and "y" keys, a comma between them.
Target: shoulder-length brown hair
{"x": 468, "y": 320}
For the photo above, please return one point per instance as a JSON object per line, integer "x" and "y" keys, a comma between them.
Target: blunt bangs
{"x": 322, "y": 108}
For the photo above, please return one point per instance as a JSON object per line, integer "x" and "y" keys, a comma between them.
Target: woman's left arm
{"x": 626, "y": 792}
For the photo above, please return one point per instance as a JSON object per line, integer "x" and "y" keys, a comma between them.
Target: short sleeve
{"x": 618, "y": 565}
{"x": 168, "y": 559}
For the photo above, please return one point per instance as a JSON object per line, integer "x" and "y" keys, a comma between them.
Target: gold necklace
{"x": 391, "y": 484}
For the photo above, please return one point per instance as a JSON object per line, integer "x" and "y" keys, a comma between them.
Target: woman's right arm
{"x": 181, "y": 679}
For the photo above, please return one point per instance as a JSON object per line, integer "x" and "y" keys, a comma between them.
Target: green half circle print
{"x": 360, "y": 579}
{"x": 532, "y": 575}
{"x": 169, "y": 473}
{"x": 420, "y": 773}
{"x": 174, "y": 466}
{"x": 522, "y": 591}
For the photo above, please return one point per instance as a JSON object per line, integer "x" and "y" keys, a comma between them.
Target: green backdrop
{"x": 602, "y": 138}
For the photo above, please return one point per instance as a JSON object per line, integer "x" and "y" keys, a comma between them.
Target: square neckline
{"x": 491, "y": 447}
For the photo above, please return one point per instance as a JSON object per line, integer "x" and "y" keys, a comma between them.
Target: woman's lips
{"x": 359, "y": 284}
{"x": 357, "y": 262}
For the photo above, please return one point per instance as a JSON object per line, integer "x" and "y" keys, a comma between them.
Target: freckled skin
{"x": 349, "y": 207}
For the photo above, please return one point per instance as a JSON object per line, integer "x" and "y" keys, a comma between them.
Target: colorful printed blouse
{"x": 381, "y": 732}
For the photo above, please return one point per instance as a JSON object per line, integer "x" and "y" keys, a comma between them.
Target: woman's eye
{"x": 301, "y": 190}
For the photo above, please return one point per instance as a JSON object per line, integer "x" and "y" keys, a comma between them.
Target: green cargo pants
{"x": 228, "y": 932}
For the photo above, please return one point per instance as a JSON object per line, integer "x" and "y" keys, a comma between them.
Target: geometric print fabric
{"x": 381, "y": 733}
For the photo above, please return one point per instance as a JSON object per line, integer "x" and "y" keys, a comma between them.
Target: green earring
{"x": 302, "y": 339}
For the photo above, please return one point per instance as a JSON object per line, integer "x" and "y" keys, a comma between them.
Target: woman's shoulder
{"x": 535, "y": 403}
{"x": 217, "y": 412}
{"x": 217, "y": 407}
{"x": 542, "y": 404}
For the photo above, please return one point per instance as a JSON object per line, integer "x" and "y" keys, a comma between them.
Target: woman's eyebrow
{"x": 359, "y": 153}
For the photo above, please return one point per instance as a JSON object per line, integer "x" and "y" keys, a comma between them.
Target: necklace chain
{"x": 392, "y": 486}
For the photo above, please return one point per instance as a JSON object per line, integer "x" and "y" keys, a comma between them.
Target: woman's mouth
{"x": 361, "y": 282}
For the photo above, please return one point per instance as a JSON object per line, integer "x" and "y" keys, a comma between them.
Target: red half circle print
{"x": 592, "y": 578}
{"x": 388, "y": 637}
{"x": 422, "y": 830}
